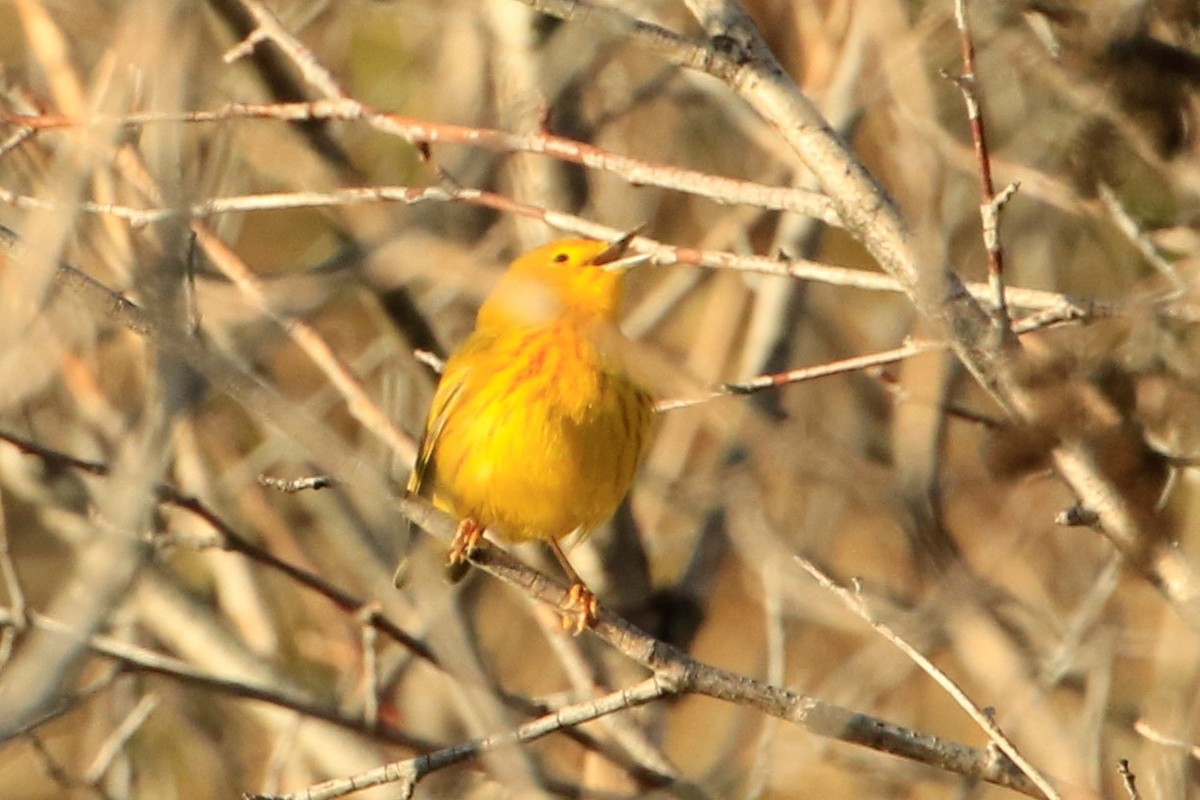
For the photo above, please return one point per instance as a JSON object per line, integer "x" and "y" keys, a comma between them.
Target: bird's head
{"x": 576, "y": 278}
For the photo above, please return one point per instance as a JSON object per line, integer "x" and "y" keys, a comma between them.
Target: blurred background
{"x": 904, "y": 476}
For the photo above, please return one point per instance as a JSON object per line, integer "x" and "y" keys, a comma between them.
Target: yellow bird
{"x": 537, "y": 426}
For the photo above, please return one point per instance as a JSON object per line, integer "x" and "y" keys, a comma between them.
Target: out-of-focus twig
{"x": 119, "y": 738}
{"x": 370, "y": 664}
{"x": 231, "y": 539}
{"x": 1152, "y": 734}
{"x": 1129, "y": 226}
{"x": 984, "y": 720}
{"x": 639, "y": 172}
{"x": 139, "y": 658}
{"x": 16, "y": 596}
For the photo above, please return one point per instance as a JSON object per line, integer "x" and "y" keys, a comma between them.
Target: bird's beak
{"x": 614, "y": 259}
{"x": 628, "y": 262}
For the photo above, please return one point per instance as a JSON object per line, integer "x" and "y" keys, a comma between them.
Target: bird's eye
{"x": 561, "y": 258}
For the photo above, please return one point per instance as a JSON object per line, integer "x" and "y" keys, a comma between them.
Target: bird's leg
{"x": 581, "y": 607}
{"x": 466, "y": 540}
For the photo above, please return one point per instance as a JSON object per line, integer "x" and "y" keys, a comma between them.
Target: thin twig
{"x": 431, "y": 360}
{"x": 1129, "y": 226}
{"x": 1151, "y": 734}
{"x": 309, "y": 483}
{"x": 115, "y": 742}
{"x": 991, "y": 203}
{"x": 57, "y": 771}
{"x": 910, "y": 349}
{"x": 853, "y": 601}
{"x": 410, "y": 772}
{"x": 277, "y": 761}
{"x": 269, "y": 29}
{"x": 16, "y": 596}
{"x": 758, "y": 778}
{"x": 54, "y": 458}
{"x": 1083, "y": 620}
{"x": 269, "y": 201}
{"x": 801, "y": 374}
{"x": 370, "y": 663}
{"x": 1128, "y": 779}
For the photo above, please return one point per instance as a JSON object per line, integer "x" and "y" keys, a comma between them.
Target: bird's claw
{"x": 465, "y": 542}
{"x": 580, "y": 609}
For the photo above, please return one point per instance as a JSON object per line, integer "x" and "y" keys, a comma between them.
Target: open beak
{"x": 628, "y": 262}
{"x": 614, "y": 259}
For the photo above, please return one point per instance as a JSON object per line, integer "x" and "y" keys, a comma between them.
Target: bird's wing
{"x": 456, "y": 376}
{"x": 420, "y": 481}
{"x": 446, "y": 400}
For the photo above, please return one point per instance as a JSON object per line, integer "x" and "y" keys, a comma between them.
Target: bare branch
{"x": 410, "y": 772}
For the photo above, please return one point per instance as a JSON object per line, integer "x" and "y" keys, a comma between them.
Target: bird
{"x": 537, "y": 425}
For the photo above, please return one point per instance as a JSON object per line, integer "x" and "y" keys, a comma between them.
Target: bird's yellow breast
{"x": 543, "y": 442}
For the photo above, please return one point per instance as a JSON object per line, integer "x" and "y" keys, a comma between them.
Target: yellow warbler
{"x": 537, "y": 427}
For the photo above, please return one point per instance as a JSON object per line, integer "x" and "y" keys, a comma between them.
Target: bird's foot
{"x": 579, "y": 610}
{"x": 465, "y": 543}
